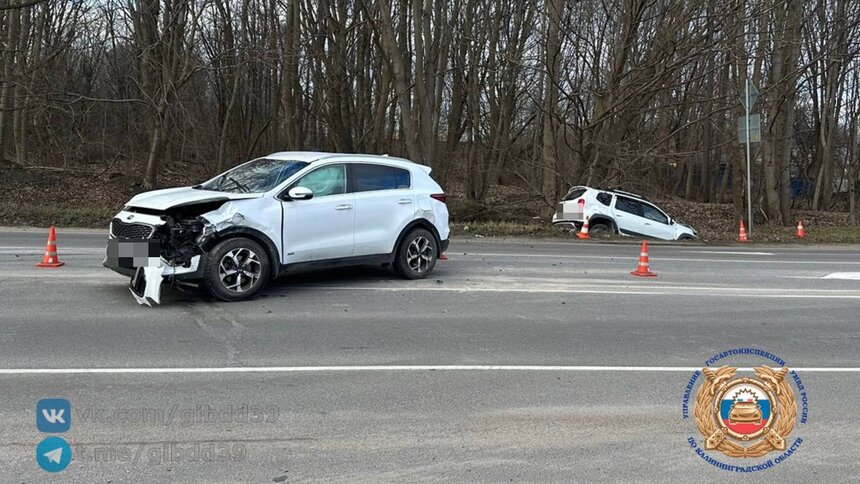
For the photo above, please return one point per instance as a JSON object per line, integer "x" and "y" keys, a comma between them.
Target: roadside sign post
{"x": 746, "y": 136}
{"x": 749, "y": 178}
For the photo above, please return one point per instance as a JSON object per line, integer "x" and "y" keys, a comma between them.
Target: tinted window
{"x": 402, "y": 178}
{"x": 328, "y": 180}
{"x": 652, "y": 213}
{"x": 574, "y": 193}
{"x": 604, "y": 198}
{"x": 628, "y": 205}
{"x": 378, "y": 177}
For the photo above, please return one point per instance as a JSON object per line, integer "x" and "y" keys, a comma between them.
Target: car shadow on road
{"x": 281, "y": 287}
{"x": 339, "y": 275}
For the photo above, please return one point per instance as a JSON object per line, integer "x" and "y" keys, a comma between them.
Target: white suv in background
{"x": 278, "y": 214}
{"x": 617, "y": 212}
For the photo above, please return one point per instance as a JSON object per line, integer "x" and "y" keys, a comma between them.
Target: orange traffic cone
{"x": 583, "y": 234}
{"x": 643, "y": 269}
{"x": 800, "y": 232}
{"x": 742, "y": 233}
{"x": 51, "y": 259}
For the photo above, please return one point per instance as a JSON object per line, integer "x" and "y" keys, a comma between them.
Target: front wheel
{"x": 236, "y": 270}
{"x": 416, "y": 256}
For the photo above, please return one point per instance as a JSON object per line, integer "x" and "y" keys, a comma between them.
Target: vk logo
{"x": 53, "y": 415}
{"x": 53, "y": 454}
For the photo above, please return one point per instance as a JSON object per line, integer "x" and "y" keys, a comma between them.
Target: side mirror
{"x": 671, "y": 221}
{"x": 300, "y": 193}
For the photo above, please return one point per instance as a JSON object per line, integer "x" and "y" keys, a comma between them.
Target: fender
{"x": 603, "y": 218}
{"x": 424, "y": 224}
{"x": 253, "y": 234}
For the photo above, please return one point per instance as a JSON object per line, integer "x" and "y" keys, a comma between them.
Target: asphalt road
{"x": 518, "y": 360}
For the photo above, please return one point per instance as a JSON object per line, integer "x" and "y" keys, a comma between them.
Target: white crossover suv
{"x": 617, "y": 212}
{"x": 282, "y": 213}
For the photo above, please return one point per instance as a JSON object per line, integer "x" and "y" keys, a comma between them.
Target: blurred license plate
{"x": 134, "y": 253}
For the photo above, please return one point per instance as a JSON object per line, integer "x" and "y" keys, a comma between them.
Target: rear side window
{"x": 574, "y": 193}
{"x": 604, "y": 198}
{"x": 366, "y": 177}
{"x": 628, "y": 205}
{"x": 402, "y": 178}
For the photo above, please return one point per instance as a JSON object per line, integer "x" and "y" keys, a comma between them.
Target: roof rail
{"x": 629, "y": 194}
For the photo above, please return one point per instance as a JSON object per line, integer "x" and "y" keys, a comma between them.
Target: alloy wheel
{"x": 419, "y": 254}
{"x": 239, "y": 270}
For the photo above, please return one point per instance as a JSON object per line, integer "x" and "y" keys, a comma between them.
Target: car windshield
{"x": 260, "y": 175}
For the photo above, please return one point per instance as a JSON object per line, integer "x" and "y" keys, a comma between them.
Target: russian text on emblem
{"x": 745, "y": 417}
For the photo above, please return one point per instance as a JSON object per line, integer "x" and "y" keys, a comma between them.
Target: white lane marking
{"x": 729, "y": 252}
{"x": 454, "y": 255}
{"x": 851, "y": 276}
{"x": 70, "y": 251}
{"x": 621, "y": 290}
{"x": 48, "y": 276}
{"x": 378, "y": 368}
{"x": 634, "y": 290}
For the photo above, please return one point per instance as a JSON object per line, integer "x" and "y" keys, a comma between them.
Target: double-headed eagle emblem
{"x": 745, "y": 417}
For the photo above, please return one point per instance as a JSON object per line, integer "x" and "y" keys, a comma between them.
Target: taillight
{"x": 440, "y": 196}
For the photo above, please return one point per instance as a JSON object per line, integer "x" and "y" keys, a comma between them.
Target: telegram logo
{"x": 53, "y": 454}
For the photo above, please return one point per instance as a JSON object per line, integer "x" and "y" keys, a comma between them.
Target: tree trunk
{"x": 395, "y": 63}
{"x": 780, "y": 127}
{"x": 549, "y": 154}
{"x": 7, "y": 83}
{"x": 156, "y": 147}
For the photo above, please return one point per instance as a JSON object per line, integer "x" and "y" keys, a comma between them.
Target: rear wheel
{"x": 600, "y": 230}
{"x": 416, "y": 256}
{"x": 237, "y": 269}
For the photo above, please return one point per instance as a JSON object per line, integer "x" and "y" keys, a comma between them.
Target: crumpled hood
{"x": 686, "y": 226}
{"x": 177, "y": 197}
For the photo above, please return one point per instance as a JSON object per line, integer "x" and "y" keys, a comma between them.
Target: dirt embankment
{"x": 512, "y": 211}
{"x": 90, "y": 196}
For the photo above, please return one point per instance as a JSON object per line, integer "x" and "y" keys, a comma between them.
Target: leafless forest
{"x": 537, "y": 94}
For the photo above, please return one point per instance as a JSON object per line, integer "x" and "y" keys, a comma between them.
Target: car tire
{"x": 416, "y": 256}
{"x": 236, "y": 269}
{"x": 600, "y": 230}
{"x": 686, "y": 238}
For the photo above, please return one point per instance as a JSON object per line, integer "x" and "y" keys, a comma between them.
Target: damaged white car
{"x": 283, "y": 213}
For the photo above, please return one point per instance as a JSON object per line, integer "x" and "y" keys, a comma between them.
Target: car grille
{"x": 123, "y": 230}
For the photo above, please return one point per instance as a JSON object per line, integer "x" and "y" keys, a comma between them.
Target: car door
{"x": 628, "y": 216}
{"x": 384, "y": 203}
{"x": 657, "y": 223}
{"x": 322, "y": 227}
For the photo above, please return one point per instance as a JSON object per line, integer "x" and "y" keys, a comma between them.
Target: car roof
{"x": 319, "y": 156}
{"x": 305, "y": 156}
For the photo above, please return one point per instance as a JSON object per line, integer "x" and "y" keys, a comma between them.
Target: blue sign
{"x": 53, "y": 415}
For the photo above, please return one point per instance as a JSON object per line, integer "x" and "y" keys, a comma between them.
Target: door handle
{"x": 404, "y": 201}
{"x": 647, "y": 223}
{"x": 345, "y": 206}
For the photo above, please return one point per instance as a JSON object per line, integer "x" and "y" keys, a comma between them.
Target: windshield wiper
{"x": 241, "y": 187}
